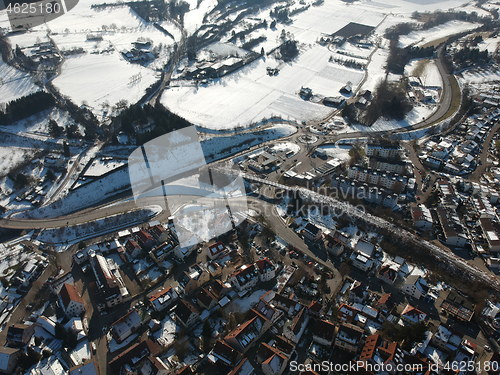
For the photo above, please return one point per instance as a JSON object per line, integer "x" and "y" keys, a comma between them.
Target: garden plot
{"x": 489, "y": 44}
{"x": 478, "y": 76}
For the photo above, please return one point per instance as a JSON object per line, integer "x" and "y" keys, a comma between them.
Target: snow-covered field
{"x": 100, "y": 76}
{"x": 420, "y": 38}
{"x": 101, "y": 226}
{"x": 250, "y": 94}
{"x": 14, "y": 84}
{"x": 39, "y": 123}
{"x": 84, "y": 196}
{"x": 101, "y": 166}
{"x": 340, "y": 152}
{"x": 103, "y": 79}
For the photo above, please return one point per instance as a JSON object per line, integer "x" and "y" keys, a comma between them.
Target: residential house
{"x": 412, "y": 315}
{"x": 133, "y": 355}
{"x": 491, "y": 231}
{"x": 384, "y": 304}
{"x": 312, "y": 232}
{"x": 315, "y": 310}
{"x": 19, "y": 334}
{"x": 194, "y": 278}
{"x": 290, "y": 306}
{"x": 89, "y": 368}
{"x": 132, "y": 248}
{"x": 245, "y": 278}
{"x": 110, "y": 284}
{"x": 293, "y": 329}
{"x": 186, "y": 313}
{"x": 8, "y": 359}
{"x": 266, "y": 269}
{"x": 333, "y": 245}
{"x": 162, "y": 251}
{"x": 457, "y": 306}
{"x": 145, "y": 239}
{"x": 422, "y": 218}
{"x": 357, "y": 292}
{"x": 215, "y": 269}
{"x": 453, "y": 231}
{"x": 324, "y": 333}
{"x": 276, "y": 364}
{"x": 159, "y": 233}
{"x": 446, "y": 339}
{"x": 224, "y": 354}
{"x": 206, "y": 299}
{"x": 163, "y": 299}
{"x": 126, "y": 325}
{"x": 71, "y": 300}
{"x": 242, "y": 337}
{"x": 266, "y": 312}
{"x": 219, "y": 289}
{"x": 415, "y": 286}
{"x": 377, "y": 351}
{"x": 155, "y": 366}
{"x": 244, "y": 367}
{"x": 362, "y": 254}
{"x": 388, "y": 274}
{"x": 216, "y": 250}
{"x": 348, "y": 337}
{"x": 346, "y": 313}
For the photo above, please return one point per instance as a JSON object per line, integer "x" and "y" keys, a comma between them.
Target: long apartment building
{"x": 375, "y": 177}
{"x": 383, "y": 151}
{"x": 353, "y": 188}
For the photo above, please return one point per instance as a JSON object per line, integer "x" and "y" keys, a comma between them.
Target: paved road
{"x": 478, "y": 173}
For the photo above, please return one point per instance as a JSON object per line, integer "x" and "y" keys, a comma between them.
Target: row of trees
{"x": 26, "y": 106}
{"x": 399, "y": 57}
{"x": 389, "y": 101}
{"x": 164, "y": 121}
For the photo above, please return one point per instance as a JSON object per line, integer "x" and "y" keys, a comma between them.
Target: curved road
{"x": 122, "y": 205}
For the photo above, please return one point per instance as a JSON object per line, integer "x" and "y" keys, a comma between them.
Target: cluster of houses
{"x": 422, "y": 93}
{"x": 40, "y": 335}
{"x": 140, "y": 53}
{"x": 41, "y": 53}
{"x": 458, "y": 152}
{"x": 477, "y": 226}
{"x": 213, "y": 68}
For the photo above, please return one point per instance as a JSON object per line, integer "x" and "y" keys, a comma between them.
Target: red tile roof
{"x": 69, "y": 293}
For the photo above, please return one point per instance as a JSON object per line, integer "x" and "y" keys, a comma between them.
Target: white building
{"x": 415, "y": 286}
{"x": 71, "y": 300}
